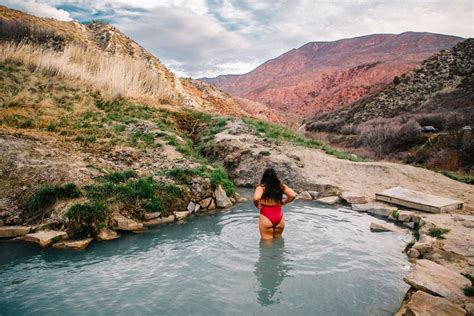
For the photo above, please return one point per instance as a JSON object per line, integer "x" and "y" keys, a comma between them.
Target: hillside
{"x": 320, "y": 76}
{"x": 439, "y": 93}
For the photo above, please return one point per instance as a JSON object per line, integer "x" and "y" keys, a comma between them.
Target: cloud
{"x": 39, "y": 9}
{"x": 210, "y": 37}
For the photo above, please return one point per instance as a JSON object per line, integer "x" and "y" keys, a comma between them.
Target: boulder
{"x": 470, "y": 309}
{"x": 160, "y": 220}
{"x": 314, "y": 194}
{"x": 433, "y": 278}
{"x": 123, "y": 223}
{"x": 353, "y": 198}
{"x": 378, "y": 209}
{"x": 405, "y": 216}
{"x": 222, "y": 200}
{"x": 233, "y": 200}
{"x": 423, "y": 247}
{"x": 181, "y": 215}
{"x": 424, "y": 304}
{"x": 413, "y": 253}
{"x": 410, "y": 225}
{"x": 376, "y": 227}
{"x": 13, "y": 231}
{"x": 304, "y": 196}
{"x": 241, "y": 199}
{"x": 191, "y": 207}
{"x": 152, "y": 215}
{"x": 73, "y": 244}
{"x": 330, "y": 200}
{"x": 46, "y": 237}
{"x": 197, "y": 207}
{"x": 212, "y": 206}
{"x": 107, "y": 234}
{"x": 204, "y": 203}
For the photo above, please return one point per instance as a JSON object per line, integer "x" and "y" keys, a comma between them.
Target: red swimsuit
{"x": 274, "y": 213}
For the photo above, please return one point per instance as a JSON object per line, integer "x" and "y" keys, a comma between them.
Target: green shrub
{"x": 100, "y": 191}
{"x": 395, "y": 214}
{"x": 46, "y": 196}
{"x": 144, "y": 139}
{"x": 84, "y": 217}
{"x": 28, "y": 123}
{"x": 51, "y": 127}
{"x": 154, "y": 205}
{"x": 86, "y": 138}
{"x": 183, "y": 174}
{"x": 220, "y": 177}
{"x": 437, "y": 232}
{"x": 461, "y": 178}
{"x": 264, "y": 153}
{"x": 119, "y": 128}
{"x": 143, "y": 188}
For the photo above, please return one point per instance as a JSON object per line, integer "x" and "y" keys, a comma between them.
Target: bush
{"x": 264, "y": 153}
{"x": 437, "y": 232}
{"x": 468, "y": 291}
{"x": 84, "y": 217}
{"x": 46, "y": 196}
{"x": 220, "y": 177}
{"x": 154, "y": 205}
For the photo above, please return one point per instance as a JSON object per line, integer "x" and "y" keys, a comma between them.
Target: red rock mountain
{"x": 319, "y": 76}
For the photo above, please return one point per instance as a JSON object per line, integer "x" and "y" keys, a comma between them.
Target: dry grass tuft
{"x": 114, "y": 76}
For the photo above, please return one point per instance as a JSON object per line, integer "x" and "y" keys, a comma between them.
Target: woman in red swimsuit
{"x": 268, "y": 198}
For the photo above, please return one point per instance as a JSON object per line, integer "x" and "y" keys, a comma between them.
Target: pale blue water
{"x": 328, "y": 263}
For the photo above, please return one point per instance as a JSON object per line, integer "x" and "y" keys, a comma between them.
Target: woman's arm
{"x": 291, "y": 195}
{"x": 257, "y": 196}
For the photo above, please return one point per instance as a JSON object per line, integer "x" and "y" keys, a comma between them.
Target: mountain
{"x": 320, "y": 76}
{"x": 439, "y": 92}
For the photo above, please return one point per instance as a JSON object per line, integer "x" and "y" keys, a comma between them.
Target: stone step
{"x": 14, "y": 231}
{"x": 46, "y": 237}
{"x": 73, "y": 244}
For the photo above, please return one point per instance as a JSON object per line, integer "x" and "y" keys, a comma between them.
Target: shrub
{"x": 46, "y": 196}
{"x": 183, "y": 174}
{"x": 51, "y": 127}
{"x": 144, "y": 139}
{"x": 143, "y": 188}
{"x": 28, "y": 123}
{"x": 84, "y": 217}
{"x": 264, "y": 153}
{"x": 154, "y": 205}
{"x": 395, "y": 214}
{"x": 437, "y": 232}
{"x": 220, "y": 177}
{"x": 468, "y": 291}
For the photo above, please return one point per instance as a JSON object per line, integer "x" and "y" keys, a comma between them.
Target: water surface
{"x": 327, "y": 263}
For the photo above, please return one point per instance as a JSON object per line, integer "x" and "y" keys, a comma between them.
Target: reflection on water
{"x": 270, "y": 270}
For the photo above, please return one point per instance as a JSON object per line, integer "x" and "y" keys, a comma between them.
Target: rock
{"x": 1, "y": 223}
{"x": 233, "y": 200}
{"x": 181, "y": 215}
{"x": 160, "y": 220}
{"x": 353, "y": 198}
{"x": 405, "y": 216}
{"x": 191, "y": 207}
{"x": 205, "y": 202}
{"x": 423, "y": 247}
{"x": 314, "y": 194}
{"x": 197, "y": 207}
{"x": 46, "y": 237}
{"x": 222, "y": 200}
{"x": 470, "y": 309}
{"x": 241, "y": 199}
{"x": 378, "y": 209}
{"x": 410, "y": 225}
{"x": 413, "y": 253}
{"x": 330, "y": 200}
{"x": 304, "y": 196}
{"x": 376, "y": 227}
{"x": 13, "y": 231}
{"x": 152, "y": 215}
{"x": 424, "y": 304}
{"x": 74, "y": 244}
{"x": 123, "y": 223}
{"x": 107, "y": 234}
{"x": 433, "y": 278}
{"x": 212, "y": 206}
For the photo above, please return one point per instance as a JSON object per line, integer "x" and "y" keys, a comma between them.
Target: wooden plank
{"x": 419, "y": 200}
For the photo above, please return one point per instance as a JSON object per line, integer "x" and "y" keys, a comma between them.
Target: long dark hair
{"x": 273, "y": 189}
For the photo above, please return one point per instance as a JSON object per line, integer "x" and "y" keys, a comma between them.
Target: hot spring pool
{"x": 328, "y": 263}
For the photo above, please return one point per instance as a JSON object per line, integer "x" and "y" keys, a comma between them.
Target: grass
{"x": 115, "y": 75}
{"x": 264, "y": 153}
{"x": 141, "y": 139}
{"x": 461, "y": 178}
{"x": 84, "y": 217}
{"x": 468, "y": 291}
{"x": 395, "y": 214}
{"x": 278, "y": 132}
{"x": 220, "y": 177}
{"x": 47, "y": 195}
{"x": 120, "y": 176}
{"x": 437, "y": 232}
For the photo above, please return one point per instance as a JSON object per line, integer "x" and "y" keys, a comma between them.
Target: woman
{"x": 268, "y": 198}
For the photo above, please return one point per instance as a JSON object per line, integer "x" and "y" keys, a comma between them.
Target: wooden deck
{"x": 419, "y": 200}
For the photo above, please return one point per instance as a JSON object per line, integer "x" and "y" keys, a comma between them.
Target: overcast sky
{"x": 207, "y": 38}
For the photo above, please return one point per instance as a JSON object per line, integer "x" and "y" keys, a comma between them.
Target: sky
{"x": 206, "y": 38}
